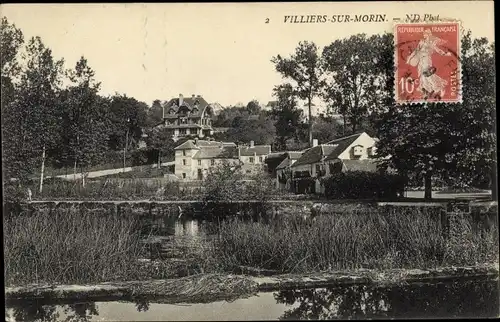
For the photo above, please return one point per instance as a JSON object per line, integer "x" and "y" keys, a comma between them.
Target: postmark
{"x": 427, "y": 63}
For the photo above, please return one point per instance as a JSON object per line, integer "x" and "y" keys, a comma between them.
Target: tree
{"x": 286, "y": 115}
{"x": 454, "y": 142}
{"x": 304, "y": 68}
{"x": 154, "y": 114}
{"x": 11, "y": 41}
{"x": 39, "y": 85}
{"x": 128, "y": 118}
{"x": 15, "y": 144}
{"x": 85, "y": 119}
{"x": 160, "y": 140}
{"x": 261, "y": 131}
{"x": 352, "y": 77}
{"x": 326, "y": 129}
{"x": 253, "y": 107}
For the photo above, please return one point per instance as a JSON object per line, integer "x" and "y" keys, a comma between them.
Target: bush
{"x": 363, "y": 185}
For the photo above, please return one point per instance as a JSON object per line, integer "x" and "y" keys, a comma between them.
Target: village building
{"x": 194, "y": 158}
{"x": 350, "y": 153}
{"x": 190, "y": 116}
{"x": 283, "y": 170}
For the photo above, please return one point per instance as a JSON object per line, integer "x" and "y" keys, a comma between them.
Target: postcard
{"x": 259, "y": 160}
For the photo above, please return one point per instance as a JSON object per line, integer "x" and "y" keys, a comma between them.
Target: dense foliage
{"x": 363, "y": 185}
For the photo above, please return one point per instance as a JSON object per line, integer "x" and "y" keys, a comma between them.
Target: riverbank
{"x": 211, "y": 287}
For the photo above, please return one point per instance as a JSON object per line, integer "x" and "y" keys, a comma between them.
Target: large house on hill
{"x": 194, "y": 158}
{"x": 191, "y": 116}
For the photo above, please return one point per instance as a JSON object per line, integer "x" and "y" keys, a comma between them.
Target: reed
{"x": 392, "y": 238}
{"x": 70, "y": 247}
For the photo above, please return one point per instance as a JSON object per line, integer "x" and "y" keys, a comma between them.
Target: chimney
{"x": 195, "y": 141}
{"x": 181, "y": 99}
{"x": 315, "y": 142}
{"x": 251, "y": 144}
{"x": 193, "y": 96}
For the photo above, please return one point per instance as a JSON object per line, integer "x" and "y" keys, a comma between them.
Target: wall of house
{"x": 366, "y": 141}
{"x": 180, "y": 167}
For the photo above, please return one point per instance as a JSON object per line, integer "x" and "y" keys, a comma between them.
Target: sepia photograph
{"x": 249, "y": 161}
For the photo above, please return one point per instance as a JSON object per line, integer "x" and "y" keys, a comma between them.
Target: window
{"x": 212, "y": 162}
{"x": 184, "y": 152}
{"x": 183, "y": 161}
{"x": 251, "y": 160}
{"x": 199, "y": 162}
{"x": 182, "y": 131}
{"x": 183, "y": 176}
{"x": 260, "y": 159}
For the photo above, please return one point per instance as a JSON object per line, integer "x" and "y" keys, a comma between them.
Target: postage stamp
{"x": 427, "y": 61}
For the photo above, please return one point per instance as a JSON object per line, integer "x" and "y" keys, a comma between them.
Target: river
{"x": 452, "y": 299}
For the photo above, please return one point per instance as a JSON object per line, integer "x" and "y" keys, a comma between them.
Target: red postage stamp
{"x": 427, "y": 59}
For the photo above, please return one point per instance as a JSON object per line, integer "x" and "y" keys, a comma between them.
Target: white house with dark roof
{"x": 188, "y": 116}
{"x": 349, "y": 153}
{"x": 194, "y": 158}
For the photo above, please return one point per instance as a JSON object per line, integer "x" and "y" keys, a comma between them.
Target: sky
{"x": 221, "y": 51}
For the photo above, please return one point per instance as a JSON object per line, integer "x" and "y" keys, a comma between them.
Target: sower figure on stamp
{"x": 421, "y": 57}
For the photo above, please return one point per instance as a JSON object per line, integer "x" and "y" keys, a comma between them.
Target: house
{"x": 253, "y": 157}
{"x": 353, "y": 152}
{"x": 194, "y": 158}
{"x": 188, "y": 117}
{"x": 283, "y": 170}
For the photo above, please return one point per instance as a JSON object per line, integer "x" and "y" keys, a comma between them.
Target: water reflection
{"x": 35, "y": 311}
{"x": 455, "y": 299}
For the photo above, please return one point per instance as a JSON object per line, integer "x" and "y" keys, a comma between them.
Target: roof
{"x": 290, "y": 156}
{"x": 188, "y": 145}
{"x": 197, "y": 144}
{"x": 256, "y": 149}
{"x": 315, "y": 154}
{"x": 368, "y": 165}
{"x": 194, "y": 105}
{"x": 342, "y": 144}
{"x": 276, "y": 155}
{"x": 285, "y": 163}
{"x": 212, "y": 152}
{"x": 294, "y": 155}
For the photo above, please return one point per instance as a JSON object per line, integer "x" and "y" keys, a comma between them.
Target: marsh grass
{"x": 392, "y": 238}
{"x": 69, "y": 247}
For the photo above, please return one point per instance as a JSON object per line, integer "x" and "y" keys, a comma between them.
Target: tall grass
{"x": 69, "y": 247}
{"x": 384, "y": 240}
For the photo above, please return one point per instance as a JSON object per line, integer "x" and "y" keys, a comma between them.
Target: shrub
{"x": 363, "y": 185}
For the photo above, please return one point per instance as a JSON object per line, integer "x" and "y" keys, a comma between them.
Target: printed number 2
{"x": 407, "y": 84}
{"x": 267, "y": 20}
